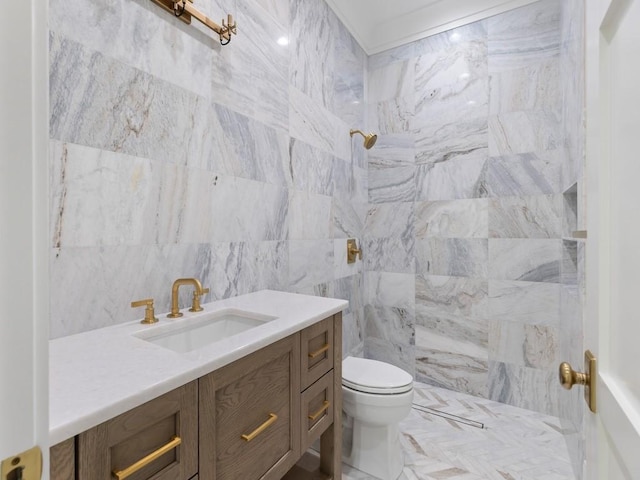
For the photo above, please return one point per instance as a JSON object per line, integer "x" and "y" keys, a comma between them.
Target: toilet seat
{"x": 371, "y": 376}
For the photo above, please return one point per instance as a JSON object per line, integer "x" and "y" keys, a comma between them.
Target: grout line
{"x": 448, "y": 416}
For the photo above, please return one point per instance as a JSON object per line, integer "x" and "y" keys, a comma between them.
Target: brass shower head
{"x": 369, "y": 138}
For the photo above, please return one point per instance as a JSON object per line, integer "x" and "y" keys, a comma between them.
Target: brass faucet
{"x": 197, "y": 293}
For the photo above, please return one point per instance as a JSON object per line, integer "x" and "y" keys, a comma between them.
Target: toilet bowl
{"x": 377, "y": 396}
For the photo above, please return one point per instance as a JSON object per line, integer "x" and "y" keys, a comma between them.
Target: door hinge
{"x": 24, "y": 466}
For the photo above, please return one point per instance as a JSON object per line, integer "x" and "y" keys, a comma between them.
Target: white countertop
{"x": 97, "y": 375}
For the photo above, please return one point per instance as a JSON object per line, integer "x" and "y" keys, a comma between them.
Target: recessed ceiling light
{"x": 284, "y": 41}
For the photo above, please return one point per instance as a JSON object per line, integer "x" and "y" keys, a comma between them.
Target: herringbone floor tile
{"x": 514, "y": 444}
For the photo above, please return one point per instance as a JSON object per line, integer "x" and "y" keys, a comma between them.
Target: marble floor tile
{"x": 515, "y": 444}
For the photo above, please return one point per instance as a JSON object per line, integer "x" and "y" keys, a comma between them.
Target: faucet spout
{"x": 175, "y": 308}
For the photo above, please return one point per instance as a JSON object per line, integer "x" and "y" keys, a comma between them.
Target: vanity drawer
{"x": 317, "y": 410}
{"x": 168, "y": 423}
{"x": 248, "y": 415}
{"x": 316, "y": 351}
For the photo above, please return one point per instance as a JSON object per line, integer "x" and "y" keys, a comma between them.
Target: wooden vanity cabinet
{"x": 121, "y": 442}
{"x": 253, "y": 419}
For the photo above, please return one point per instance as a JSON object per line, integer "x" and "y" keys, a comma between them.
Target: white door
{"x": 24, "y": 274}
{"x": 613, "y": 223}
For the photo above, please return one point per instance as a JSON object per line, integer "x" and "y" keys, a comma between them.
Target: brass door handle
{"x": 325, "y": 406}
{"x": 250, "y": 436}
{"x": 143, "y": 462}
{"x": 569, "y": 377}
{"x": 320, "y": 351}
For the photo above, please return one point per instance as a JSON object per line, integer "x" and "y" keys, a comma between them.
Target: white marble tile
{"x": 525, "y": 259}
{"x": 388, "y": 289}
{"x": 535, "y": 346}
{"x": 393, "y": 150}
{"x": 393, "y": 254}
{"x": 347, "y": 217}
{"x": 313, "y": 124}
{"x": 458, "y": 257}
{"x": 534, "y": 303}
{"x": 391, "y": 184}
{"x": 309, "y": 215}
{"x": 526, "y": 217}
{"x": 524, "y": 132}
{"x": 452, "y": 219}
{"x": 311, "y": 169}
{"x": 387, "y": 220}
{"x": 395, "y": 116}
{"x": 438, "y": 296}
{"x": 389, "y": 336}
{"x": 387, "y": 57}
{"x": 523, "y": 175}
{"x": 393, "y": 81}
{"x": 310, "y": 263}
{"x": 458, "y": 178}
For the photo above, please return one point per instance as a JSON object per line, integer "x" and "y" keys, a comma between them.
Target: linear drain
{"x": 448, "y": 416}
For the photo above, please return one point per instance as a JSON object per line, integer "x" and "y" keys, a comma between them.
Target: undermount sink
{"x": 204, "y": 330}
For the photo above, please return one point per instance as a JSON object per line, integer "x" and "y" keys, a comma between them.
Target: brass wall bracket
{"x": 26, "y": 465}
{"x": 353, "y": 251}
{"x": 185, "y": 11}
{"x": 569, "y": 377}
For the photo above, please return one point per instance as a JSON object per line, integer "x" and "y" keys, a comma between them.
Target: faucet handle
{"x": 149, "y": 314}
{"x": 195, "y": 304}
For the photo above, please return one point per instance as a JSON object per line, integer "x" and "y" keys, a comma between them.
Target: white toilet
{"x": 377, "y": 395}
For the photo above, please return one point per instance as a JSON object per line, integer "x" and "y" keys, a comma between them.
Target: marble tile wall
{"x": 172, "y": 156}
{"x": 468, "y": 206}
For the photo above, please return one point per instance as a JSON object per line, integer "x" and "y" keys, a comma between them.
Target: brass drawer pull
{"x": 325, "y": 406}
{"x": 272, "y": 419}
{"x": 127, "y": 472}
{"x": 320, "y": 351}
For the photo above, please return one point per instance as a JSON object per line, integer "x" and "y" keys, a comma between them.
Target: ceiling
{"x": 379, "y": 25}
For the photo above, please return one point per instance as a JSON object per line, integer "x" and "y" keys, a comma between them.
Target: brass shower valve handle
{"x": 195, "y": 304}
{"x": 149, "y": 314}
{"x": 353, "y": 251}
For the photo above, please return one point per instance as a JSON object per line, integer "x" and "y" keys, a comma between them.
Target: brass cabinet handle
{"x": 325, "y": 406}
{"x": 320, "y": 351}
{"x": 143, "y": 462}
{"x": 272, "y": 419}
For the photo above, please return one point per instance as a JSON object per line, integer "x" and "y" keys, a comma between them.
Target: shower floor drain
{"x": 448, "y": 416}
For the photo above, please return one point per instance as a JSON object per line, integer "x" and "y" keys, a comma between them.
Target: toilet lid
{"x": 372, "y": 376}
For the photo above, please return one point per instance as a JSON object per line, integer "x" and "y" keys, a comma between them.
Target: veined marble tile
{"x": 341, "y": 268}
{"x": 347, "y": 217}
{"x": 393, "y": 116}
{"x": 524, "y": 132}
{"x": 118, "y": 108}
{"x": 387, "y": 220}
{"x": 389, "y": 255}
{"x": 311, "y": 169}
{"x": 393, "y": 55}
{"x": 529, "y": 388}
{"x": 121, "y": 274}
{"x": 391, "y": 184}
{"x": 351, "y": 288}
{"x": 451, "y": 297}
{"x": 393, "y": 150}
{"x": 389, "y": 336}
{"x": 386, "y": 289}
{"x": 313, "y": 124}
{"x": 396, "y": 80}
{"x": 251, "y": 74}
{"x": 310, "y": 263}
{"x": 312, "y": 50}
{"x": 457, "y": 329}
{"x": 259, "y": 212}
{"x": 454, "y": 179}
{"x": 277, "y": 9}
{"x": 523, "y": 175}
{"x": 534, "y": 87}
{"x": 454, "y": 39}
{"x": 525, "y": 259}
{"x": 452, "y": 219}
{"x": 534, "y": 303}
{"x": 536, "y": 346}
{"x": 526, "y": 217}
{"x": 243, "y": 267}
{"x": 309, "y": 215}
{"x": 452, "y": 257}
{"x": 352, "y": 336}
{"x": 524, "y": 36}
{"x": 460, "y": 366}
{"x": 569, "y": 267}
